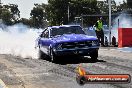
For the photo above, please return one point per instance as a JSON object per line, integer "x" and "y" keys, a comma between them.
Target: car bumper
{"x": 80, "y": 52}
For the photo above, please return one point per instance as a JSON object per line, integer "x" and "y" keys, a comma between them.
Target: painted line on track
{"x": 2, "y": 84}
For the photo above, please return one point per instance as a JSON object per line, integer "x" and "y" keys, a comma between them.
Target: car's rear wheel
{"x": 42, "y": 55}
{"x": 94, "y": 55}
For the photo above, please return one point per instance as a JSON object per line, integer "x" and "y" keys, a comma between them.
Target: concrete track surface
{"x": 17, "y": 72}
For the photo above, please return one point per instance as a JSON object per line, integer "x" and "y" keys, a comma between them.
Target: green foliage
{"x": 14, "y": 11}
{"x": 129, "y": 3}
{"x": 122, "y": 7}
{"x": 10, "y": 14}
{"x": 104, "y": 7}
{"x": 6, "y": 16}
{"x": 25, "y": 21}
{"x": 38, "y": 16}
{"x": 57, "y": 10}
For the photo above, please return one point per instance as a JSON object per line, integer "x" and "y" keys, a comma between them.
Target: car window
{"x": 45, "y": 33}
{"x": 66, "y": 30}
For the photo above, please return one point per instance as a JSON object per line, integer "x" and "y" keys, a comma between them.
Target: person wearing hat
{"x": 99, "y": 31}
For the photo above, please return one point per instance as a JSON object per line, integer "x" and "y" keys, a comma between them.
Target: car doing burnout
{"x": 66, "y": 40}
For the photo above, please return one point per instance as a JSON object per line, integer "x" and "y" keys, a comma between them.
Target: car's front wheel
{"x": 53, "y": 56}
{"x": 94, "y": 55}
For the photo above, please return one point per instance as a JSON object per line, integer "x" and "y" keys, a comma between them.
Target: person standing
{"x": 99, "y": 31}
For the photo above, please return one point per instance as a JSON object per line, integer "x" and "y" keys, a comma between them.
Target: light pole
{"x": 0, "y": 14}
{"x": 109, "y": 2}
{"x": 82, "y": 21}
{"x": 68, "y": 12}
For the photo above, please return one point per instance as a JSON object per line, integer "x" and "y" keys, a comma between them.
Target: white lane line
{"x": 33, "y": 75}
{"x": 2, "y": 84}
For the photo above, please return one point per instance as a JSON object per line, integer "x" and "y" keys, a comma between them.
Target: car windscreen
{"x": 66, "y": 30}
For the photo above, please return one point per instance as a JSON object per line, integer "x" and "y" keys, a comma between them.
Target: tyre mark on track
{"x": 119, "y": 61}
{"x": 108, "y": 67}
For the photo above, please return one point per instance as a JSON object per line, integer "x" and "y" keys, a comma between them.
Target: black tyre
{"x": 94, "y": 56}
{"x": 53, "y": 56}
{"x": 42, "y": 55}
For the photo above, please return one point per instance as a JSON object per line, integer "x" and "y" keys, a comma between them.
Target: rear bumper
{"x": 80, "y": 52}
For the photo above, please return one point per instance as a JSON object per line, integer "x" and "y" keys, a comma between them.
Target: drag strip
{"x": 34, "y": 73}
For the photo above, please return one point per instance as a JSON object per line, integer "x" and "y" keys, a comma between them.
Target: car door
{"x": 44, "y": 41}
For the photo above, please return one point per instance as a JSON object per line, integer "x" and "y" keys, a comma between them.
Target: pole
{"x": 82, "y": 21}
{"x": 76, "y": 20}
{"x": 118, "y": 23}
{"x": 0, "y": 13}
{"x": 109, "y": 2}
{"x": 68, "y": 13}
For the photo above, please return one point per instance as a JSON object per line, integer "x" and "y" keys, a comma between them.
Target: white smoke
{"x": 122, "y": 21}
{"x": 19, "y": 40}
{"x": 125, "y": 21}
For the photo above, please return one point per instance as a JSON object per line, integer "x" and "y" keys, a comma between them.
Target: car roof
{"x": 64, "y": 26}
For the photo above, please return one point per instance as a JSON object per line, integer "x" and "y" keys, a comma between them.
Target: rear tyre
{"x": 94, "y": 56}
{"x": 42, "y": 55}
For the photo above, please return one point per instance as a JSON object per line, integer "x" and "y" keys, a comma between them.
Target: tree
{"x": 104, "y": 7}
{"x": 15, "y": 12}
{"x": 6, "y": 17}
{"x": 122, "y": 7}
{"x": 10, "y": 14}
{"x": 129, "y": 3}
{"x": 57, "y": 10}
{"x": 25, "y": 21}
{"x": 116, "y": 9}
{"x": 38, "y": 16}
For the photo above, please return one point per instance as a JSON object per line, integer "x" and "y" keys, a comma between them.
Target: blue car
{"x": 66, "y": 40}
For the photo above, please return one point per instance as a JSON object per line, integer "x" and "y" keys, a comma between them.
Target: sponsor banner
{"x": 84, "y": 77}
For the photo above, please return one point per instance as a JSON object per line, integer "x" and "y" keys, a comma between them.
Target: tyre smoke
{"x": 124, "y": 20}
{"x": 19, "y": 40}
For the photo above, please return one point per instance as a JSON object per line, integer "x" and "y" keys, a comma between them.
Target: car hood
{"x": 73, "y": 38}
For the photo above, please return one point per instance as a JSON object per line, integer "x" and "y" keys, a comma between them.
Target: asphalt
{"x": 17, "y": 72}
